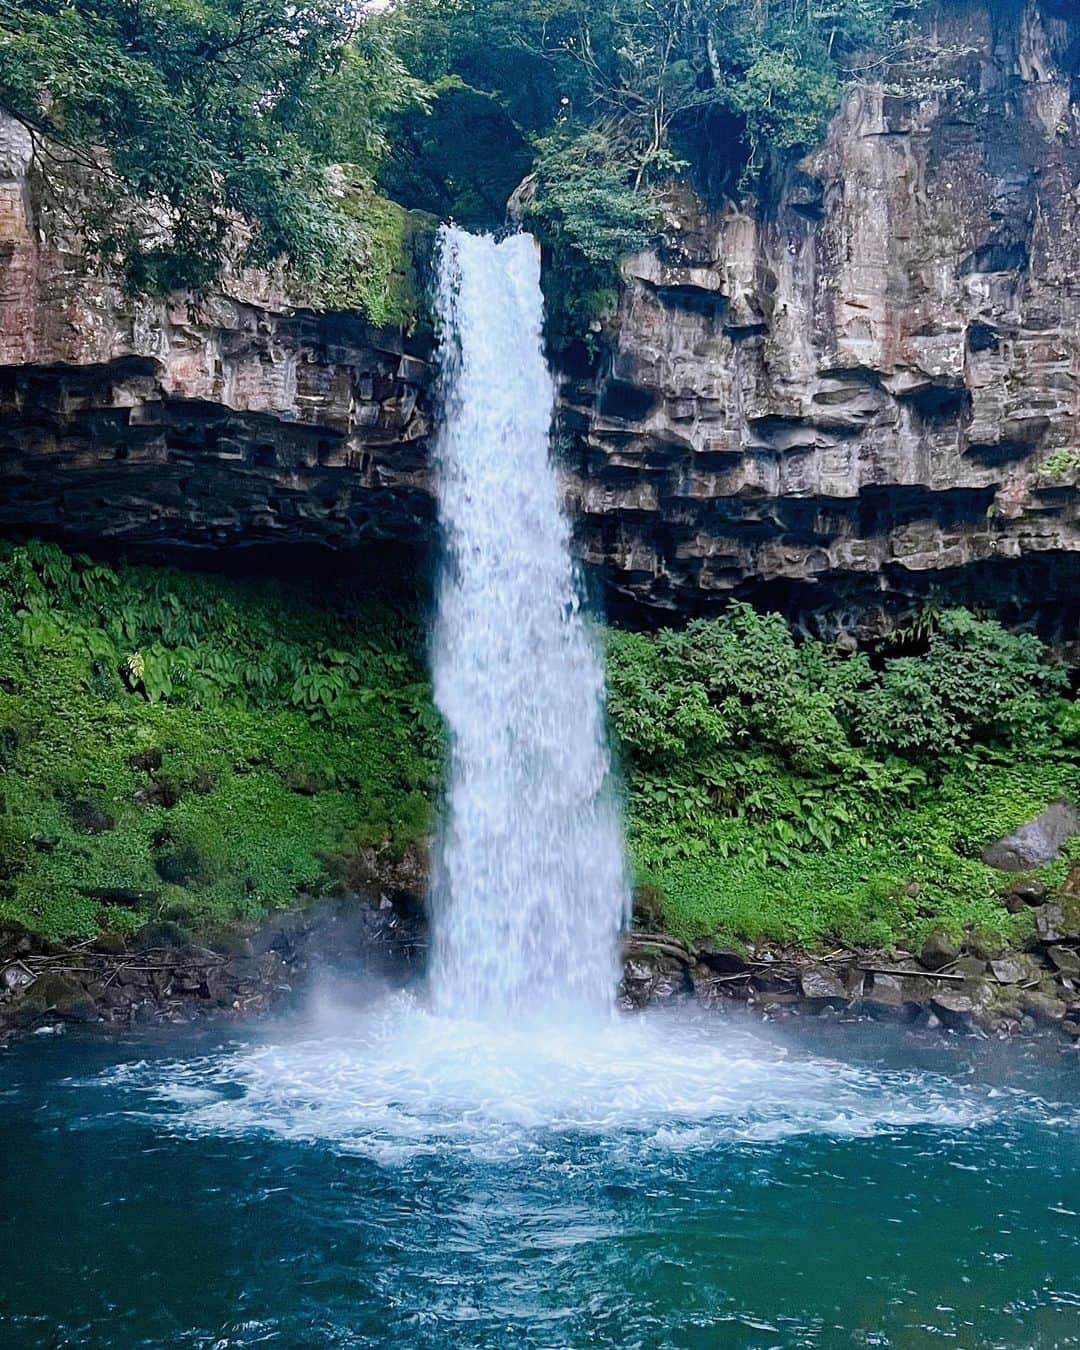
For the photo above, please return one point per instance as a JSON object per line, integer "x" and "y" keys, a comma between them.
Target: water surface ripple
{"x": 388, "y": 1177}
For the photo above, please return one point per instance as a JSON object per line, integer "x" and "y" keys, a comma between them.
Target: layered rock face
{"x": 239, "y": 419}
{"x": 845, "y": 401}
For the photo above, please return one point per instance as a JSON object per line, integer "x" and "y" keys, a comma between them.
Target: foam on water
{"x": 397, "y": 1080}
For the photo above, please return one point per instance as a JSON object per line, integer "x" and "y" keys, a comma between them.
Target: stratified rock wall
{"x": 852, "y": 391}
{"x": 842, "y": 402}
{"x": 237, "y": 419}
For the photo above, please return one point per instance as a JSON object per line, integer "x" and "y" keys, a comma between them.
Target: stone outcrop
{"x": 854, "y": 391}
{"x": 842, "y": 403}
{"x": 235, "y": 419}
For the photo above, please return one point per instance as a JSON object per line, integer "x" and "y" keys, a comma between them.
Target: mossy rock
{"x": 59, "y": 993}
{"x": 164, "y": 933}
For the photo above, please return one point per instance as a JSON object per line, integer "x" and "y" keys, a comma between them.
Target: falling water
{"x": 530, "y": 889}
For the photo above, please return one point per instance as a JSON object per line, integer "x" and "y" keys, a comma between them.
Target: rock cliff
{"x": 238, "y": 419}
{"x": 844, "y": 401}
{"x": 848, "y": 398}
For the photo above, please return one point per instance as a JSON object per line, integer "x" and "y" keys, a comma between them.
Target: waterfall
{"x": 529, "y": 889}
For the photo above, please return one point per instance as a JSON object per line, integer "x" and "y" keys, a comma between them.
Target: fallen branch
{"x": 912, "y": 974}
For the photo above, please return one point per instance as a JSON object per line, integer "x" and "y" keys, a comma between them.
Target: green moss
{"x": 190, "y": 748}
{"x": 783, "y": 791}
{"x": 377, "y": 271}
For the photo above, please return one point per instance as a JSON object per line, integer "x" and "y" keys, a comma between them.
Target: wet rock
{"x": 1010, "y": 969}
{"x": 918, "y": 991}
{"x": 14, "y": 978}
{"x": 940, "y": 949}
{"x": 1036, "y": 843}
{"x": 854, "y": 982}
{"x": 1050, "y": 924}
{"x": 822, "y": 984}
{"x": 782, "y": 980}
{"x": 985, "y": 946}
{"x": 1044, "y": 1008}
{"x": 973, "y": 967}
{"x": 648, "y": 980}
{"x": 955, "y": 1008}
{"x": 1066, "y": 960}
{"x": 1029, "y": 892}
{"x": 58, "y": 993}
{"x": 884, "y": 997}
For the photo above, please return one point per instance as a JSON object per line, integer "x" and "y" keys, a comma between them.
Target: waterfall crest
{"x": 529, "y": 889}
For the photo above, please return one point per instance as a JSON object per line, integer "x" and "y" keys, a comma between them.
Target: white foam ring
{"x": 398, "y": 1080}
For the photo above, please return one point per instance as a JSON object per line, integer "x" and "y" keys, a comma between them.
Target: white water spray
{"x": 530, "y": 891}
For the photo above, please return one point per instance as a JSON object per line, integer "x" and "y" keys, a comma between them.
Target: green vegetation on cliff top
{"x": 181, "y": 137}
{"x": 199, "y": 750}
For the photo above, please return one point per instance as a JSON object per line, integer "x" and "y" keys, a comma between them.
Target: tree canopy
{"x": 197, "y": 132}
{"x": 616, "y": 96}
{"x": 184, "y": 119}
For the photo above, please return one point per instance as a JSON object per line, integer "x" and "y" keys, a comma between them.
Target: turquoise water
{"x": 381, "y": 1177}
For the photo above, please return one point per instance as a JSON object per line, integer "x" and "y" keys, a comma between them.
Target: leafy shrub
{"x": 243, "y": 730}
{"x": 791, "y": 791}
{"x": 586, "y": 212}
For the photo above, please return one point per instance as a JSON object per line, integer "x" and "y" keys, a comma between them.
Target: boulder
{"x": 1053, "y": 925}
{"x": 955, "y": 1008}
{"x": 822, "y": 985}
{"x": 973, "y": 967}
{"x": 1044, "y": 1008}
{"x": 884, "y": 997}
{"x": 941, "y": 948}
{"x": 986, "y": 945}
{"x": 55, "y": 992}
{"x": 1031, "y": 891}
{"x": 14, "y": 978}
{"x": 1010, "y": 969}
{"x": 1036, "y": 843}
{"x": 1066, "y": 960}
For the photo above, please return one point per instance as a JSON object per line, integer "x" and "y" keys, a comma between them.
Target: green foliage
{"x": 186, "y": 747}
{"x": 787, "y": 790}
{"x": 615, "y": 97}
{"x": 1060, "y": 464}
{"x": 162, "y": 124}
{"x": 459, "y": 157}
{"x": 589, "y": 217}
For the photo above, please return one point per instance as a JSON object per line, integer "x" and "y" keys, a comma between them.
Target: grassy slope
{"x": 195, "y": 749}
{"x": 290, "y": 725}
{"x": 890, "y": 882}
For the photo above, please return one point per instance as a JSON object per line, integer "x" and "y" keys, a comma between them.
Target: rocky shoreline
{"x": 959, "y": 986}
{"x": 44, "y": 987}
{"x": 161, "y": 978}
